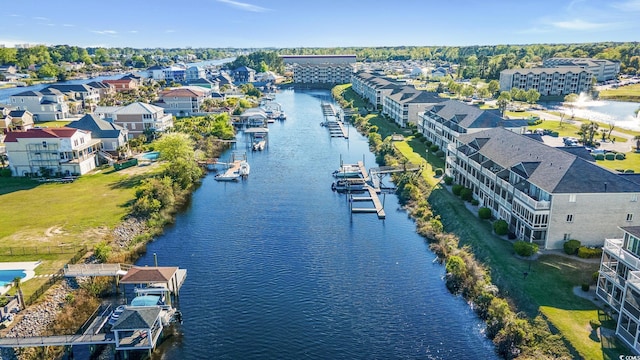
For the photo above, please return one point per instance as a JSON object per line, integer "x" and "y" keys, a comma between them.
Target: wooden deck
{"x": 60, "y": 340}
{"x": 373, "y": 197}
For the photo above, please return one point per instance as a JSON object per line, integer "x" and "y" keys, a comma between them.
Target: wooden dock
{"x": 373, "y": 197}
{"x": 333, "y": 122}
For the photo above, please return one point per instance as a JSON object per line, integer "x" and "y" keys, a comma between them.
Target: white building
{"x": 602, "y": 70}
{"x": 404, "y": 104}
{"x": 45, "y": 105}
{"x": 137, "y": 117}
{"x": 56, "y": 151}
{"x": 321, "y": 69}
{"x": 619, "y": 283}
{"x": 373, "y": 88}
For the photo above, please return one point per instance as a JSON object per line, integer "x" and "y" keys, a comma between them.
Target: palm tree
{"x": 16, "y": 283}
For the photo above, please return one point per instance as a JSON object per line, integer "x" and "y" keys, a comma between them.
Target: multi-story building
{"x": 619, "y": 283}
{"x": 372, "y": 87}
{"x": 321, "y": 69}
{"x": 194, "y": 73}
{"x": 112, "y": 136}
{"x": 45, "y": 105}
{"x": 545, "y": 194}
{"x": 137, "y": 117}
{"x": 51, "y": 151}
{"x": 86, "y": 94}
{"x": 243, "y": 75}
{"x": 555, "y": 81}
{"x": 12, "y": 120}
{"x": 122, "y": 85}
{"x": 102, "y": 88}
{"x": 183, "y": 101}
{"x": 602, "y": 70}
{"x": 404, "y": 104}
{"x": 443, "y": 123}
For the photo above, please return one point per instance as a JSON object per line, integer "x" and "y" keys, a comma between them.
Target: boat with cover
{"x": 233, "y": 176}
{"x": 244, "y": 168}
{"x": 349, "y": 185}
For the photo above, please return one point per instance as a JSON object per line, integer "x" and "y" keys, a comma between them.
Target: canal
{"x": 279, "y": 269}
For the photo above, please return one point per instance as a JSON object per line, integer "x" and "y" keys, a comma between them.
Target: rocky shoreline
{"x": 34, "y": 320}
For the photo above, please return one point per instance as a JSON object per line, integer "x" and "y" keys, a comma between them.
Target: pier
{"x": 333, "y": 121}
{"x": 377, "y": 208}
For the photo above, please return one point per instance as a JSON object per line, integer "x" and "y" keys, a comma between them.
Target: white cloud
{"x": 578, "y": 24}
{"x": 68, "y": 25}
{"x": 244, "y": 6}
{"x": 133, "y": 31}
{"x": 14, "y": 15}
{"x": 40, "y": 18}
{"x": 104, "y": 32}
{"x": 630, "y": 5}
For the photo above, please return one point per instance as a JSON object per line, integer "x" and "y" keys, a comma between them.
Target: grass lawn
{"x": 44, "y": 217}
{"x": 532, "y": 294}
{"x": 625, "y": 93}
{"x": 631, "y": 162}
{"x": 46, "y": 124}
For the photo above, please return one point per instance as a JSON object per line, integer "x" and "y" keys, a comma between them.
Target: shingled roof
{"x": 137, "y": 318}
{"x": 47, "y": 133}
{"x": 100, "y": 129}
{"x": 555, "y": 170}
{"x": 143, "y": 275}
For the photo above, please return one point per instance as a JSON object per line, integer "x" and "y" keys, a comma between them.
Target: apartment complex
{"x": 372, "y": 87}
{"x": 443, "y": 123}
{"x": 321, "y": 69}
{"x": 555, "y": 81}
{"x": 602, "y": 70}
{"x": 547, "y": 195}
{"x": 404, "y": 104}
{"x": 619, "y": 283}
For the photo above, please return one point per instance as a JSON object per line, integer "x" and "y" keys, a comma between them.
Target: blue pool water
{"x": 151, "y": 156}
{"x": 7, "y": 276}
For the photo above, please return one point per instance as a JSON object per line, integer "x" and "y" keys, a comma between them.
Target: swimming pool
{"x": 7, "y": 276}
{"x": 151, "y": 155}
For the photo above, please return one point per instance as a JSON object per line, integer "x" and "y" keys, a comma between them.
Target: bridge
{"x": 58, "y": 340}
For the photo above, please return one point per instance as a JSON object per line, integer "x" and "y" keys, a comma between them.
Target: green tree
{"x": 175, "y": 146}
{"x": 493, "y": 86}
{"x": 503, "y": 101}
{"x": 532, "y": 96}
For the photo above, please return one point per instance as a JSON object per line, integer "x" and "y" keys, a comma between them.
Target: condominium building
{"x": 443, "y": 123}
{"x": 547, "y": 195}
{"x": 619, "y": 283}
{"x": 404, "y": 104}
{"x": 372, "y": 87}
{"x": 555, "y": 81}
{"x": 602, "y": 69}
{"x": 321, "y": 69}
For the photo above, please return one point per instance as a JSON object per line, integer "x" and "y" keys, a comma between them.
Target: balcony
{"x": 614, "y": 247}
{"x": 532, "y": 203}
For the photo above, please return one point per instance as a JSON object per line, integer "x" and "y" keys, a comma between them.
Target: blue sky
{"x": 317, "y": 23}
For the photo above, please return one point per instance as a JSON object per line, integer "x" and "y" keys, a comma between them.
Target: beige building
{"x": 51, "y": 152}
{"x": 404, "y": 104}
{"x": 602, "y": 69}
{"x": 137, "y": 117}
{"x": 321, "y": 69}
{"x": 547, "y": 195}
{"x": 555, "y": 81}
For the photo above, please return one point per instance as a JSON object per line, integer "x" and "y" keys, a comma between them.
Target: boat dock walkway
{"x": 333, "y": 122}
{"x": 377, "y": 208}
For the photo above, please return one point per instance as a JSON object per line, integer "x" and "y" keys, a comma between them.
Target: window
{"x": 566, "y": 237}
{"x": 634, "y": 198}
{"x": 570, "y": 218}
{"x": 629, "y": 217}
{"x": 572, "y": 197}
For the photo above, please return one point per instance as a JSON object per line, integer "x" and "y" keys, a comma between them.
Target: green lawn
{"x": 624, "y": 93}
{"x": 52, "y": 123}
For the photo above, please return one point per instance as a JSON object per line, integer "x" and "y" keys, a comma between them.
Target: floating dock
{"x": 377, "y": 208}
{"x": 333, "y": 121}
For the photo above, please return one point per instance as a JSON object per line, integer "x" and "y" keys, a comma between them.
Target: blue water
{"x": 151, "y": 155}
{"x": 7, "y": 276}
{"x": 279, "y": 269}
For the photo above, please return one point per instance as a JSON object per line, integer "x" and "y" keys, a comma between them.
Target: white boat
{"x": 281, "y": 116}
{"x": 234, "y": 176}
{"x": 244, "y": 169}
{"x": 348, "y": 171}
{"x": 115, "y": 315}
{"x": 259, "y": 145}
{"x": 349, "y": 184}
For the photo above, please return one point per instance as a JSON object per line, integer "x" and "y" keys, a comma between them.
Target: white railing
{"x": 537, "y": 205}
{"x": 614, "y": 247}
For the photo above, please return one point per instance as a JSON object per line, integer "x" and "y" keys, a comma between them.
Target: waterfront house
{"x": 183, "y": 101}
{"x": 546, "y": 195}
{"x": 137, "y": 117}
{"x": 223, "y": 79}
{"x": 619, "y": 283}
{"x": 243, "y": 75}
{"x": 21, "y": 119}
{"x": 103, "y": 89}
{"x": 112, "y": 136}
{"x": 86, "y": 95}
{"x": 204, "y": 83}
{"x": 51, "y": 151}
{"x": 45, "y": 105}
{"x": 122, "y": 85}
